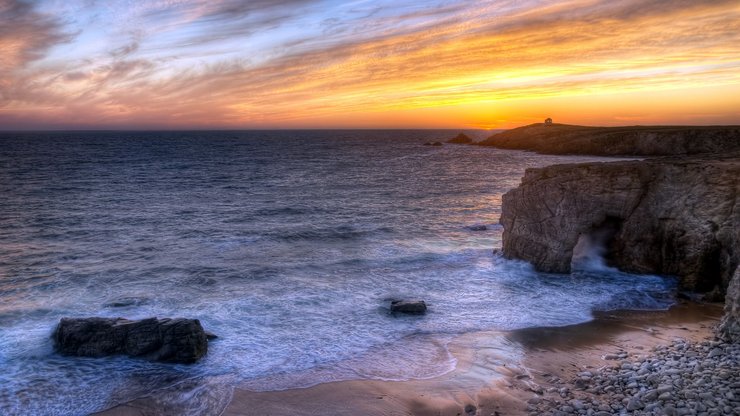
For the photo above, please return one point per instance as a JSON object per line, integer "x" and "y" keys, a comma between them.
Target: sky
{"x": 182, "y": 64}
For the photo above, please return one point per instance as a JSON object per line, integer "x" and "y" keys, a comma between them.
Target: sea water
{"x": 289, "y": 245}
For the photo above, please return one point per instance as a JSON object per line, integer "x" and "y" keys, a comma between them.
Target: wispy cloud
{"x": 26, "y": 35}
{"x": 309, "y": 63}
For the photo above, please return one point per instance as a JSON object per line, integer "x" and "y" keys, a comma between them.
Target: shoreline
{"x": 497, "y": 373}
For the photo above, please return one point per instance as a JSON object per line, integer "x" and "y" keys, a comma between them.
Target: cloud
{"x": 125, "y": 50}
{"x": 209, "y": 22}
{"x": 200, "y": 63}
{"x": 26, "y": 34}
{"x": 492, "y": 61}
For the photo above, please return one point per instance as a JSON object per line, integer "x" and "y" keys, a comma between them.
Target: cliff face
{"x": 729, "y": 329}
{"x": 607, "y": 141}
{"x": 663, "y": 216}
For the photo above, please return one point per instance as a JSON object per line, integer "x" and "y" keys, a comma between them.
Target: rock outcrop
{"x": 729, "y": 328}
{"x": 168, "y": 340}
{"x": 611, "y": 141}
{"x": 461, "y": 138}
{"x": 674, "y": 216}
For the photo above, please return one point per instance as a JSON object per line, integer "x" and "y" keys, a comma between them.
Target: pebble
{"x": 680, "y": 378}
{"x": 715, "y": 353}
{"x": 634, "y": 403}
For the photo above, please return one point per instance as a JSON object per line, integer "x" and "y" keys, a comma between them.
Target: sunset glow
{"x": 367, "y": 64}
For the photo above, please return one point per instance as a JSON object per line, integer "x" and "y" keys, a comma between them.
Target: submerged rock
{"x": 126, "y": 301}
{"x": 168, "y": 340}
{"x": 477, "y": 227}
{"x": 412, "y": 307}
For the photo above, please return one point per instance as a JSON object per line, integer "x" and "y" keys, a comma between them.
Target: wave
{"x": 287, "y": 210}
{"x": 340, "y": 233}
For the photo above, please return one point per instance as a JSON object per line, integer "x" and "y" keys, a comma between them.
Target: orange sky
{"x": 397, "y": 64}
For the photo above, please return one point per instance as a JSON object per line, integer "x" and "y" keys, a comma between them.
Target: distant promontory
{"x": 618, "y": 141}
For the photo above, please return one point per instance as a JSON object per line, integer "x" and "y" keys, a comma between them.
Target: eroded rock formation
{"x": 168, "y": 340}
{"x": 674, "y": 216}
{"x": 628, "y": 140}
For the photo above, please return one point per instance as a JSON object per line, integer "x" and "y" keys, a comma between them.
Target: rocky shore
{"x": 682, "y": 378}
{"x": 668, "y": 215}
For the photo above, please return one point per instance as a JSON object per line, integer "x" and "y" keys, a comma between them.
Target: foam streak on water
{"x": 288, "y": 245}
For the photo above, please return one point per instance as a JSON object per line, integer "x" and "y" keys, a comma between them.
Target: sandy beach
{"x": 496, "y": 372}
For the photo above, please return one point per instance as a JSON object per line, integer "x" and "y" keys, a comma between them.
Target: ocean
{"x": 289, "y": 245}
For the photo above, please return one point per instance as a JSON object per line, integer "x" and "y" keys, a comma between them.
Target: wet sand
{"x": 496, "y": 372}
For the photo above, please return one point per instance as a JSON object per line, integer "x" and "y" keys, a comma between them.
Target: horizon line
{"x": 158, "y": 129}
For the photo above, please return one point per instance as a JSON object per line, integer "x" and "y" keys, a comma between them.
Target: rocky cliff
{"x": 729, "y": 329}
{"x": 674, "y": 216}
{"x": 630, "y": 140}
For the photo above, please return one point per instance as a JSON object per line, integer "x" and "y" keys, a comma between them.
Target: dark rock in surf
{"x": 477, "y": 227}
{"x": 433, "y": 144}
{"x": 411, "y": 307}
{"x": 168, "y": 340}
{"x": 461, "y": 138}
{"x": 126, "y": 301}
